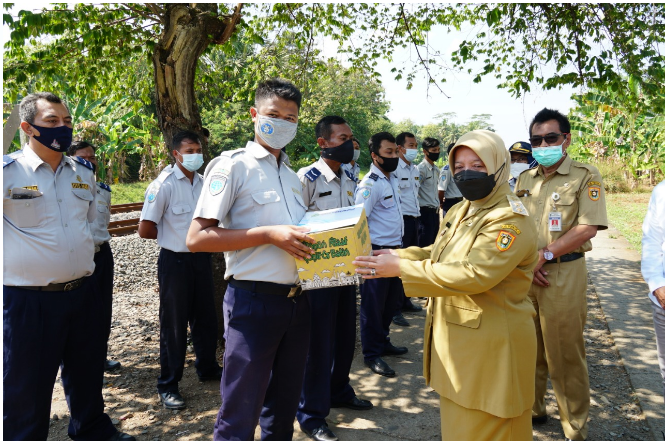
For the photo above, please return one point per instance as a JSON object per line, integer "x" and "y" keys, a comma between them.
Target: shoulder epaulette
{"x": 231, "y": 153}
{"x": 104, "y": 186}
{"x": 6, "y": 160}
{"x": 165, "y": 173}
{"x": 350, "y": 175}
{"x": 313, "y": 174}
{"x": 374, "y": 177}
{"x": 84, "y": 162}
{"x": 446, "y": 167}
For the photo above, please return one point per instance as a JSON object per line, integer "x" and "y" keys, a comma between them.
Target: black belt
{"x": 566, "y": 258}
{"x": 267, "y": 287}
{"x": 430, "y": 209}
{"x": 386, "y": 247}
{"x": 413, "y": 217}
{"x": 67, "y": 286}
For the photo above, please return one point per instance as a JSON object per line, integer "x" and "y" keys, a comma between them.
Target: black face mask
{"x": 389, "y": 164}
{"x": 55, "y": 138}
{"x": 432, "y": 156}
{"x": 342, "y": 153}
{"x": 475, "y": 185}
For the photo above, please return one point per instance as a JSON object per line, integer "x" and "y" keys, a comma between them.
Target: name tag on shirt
{"x": 387, "y": 197}
{"x": 327, "y": 193}
{"x": 555, "y": 221}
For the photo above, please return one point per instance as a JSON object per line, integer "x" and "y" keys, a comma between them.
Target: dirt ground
{"x": 132, "y": 401}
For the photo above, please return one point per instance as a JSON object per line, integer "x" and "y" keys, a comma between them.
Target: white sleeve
{"x": 653, "y": 239}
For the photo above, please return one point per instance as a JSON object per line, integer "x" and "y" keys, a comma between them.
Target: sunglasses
{"x": 550, "y": 138}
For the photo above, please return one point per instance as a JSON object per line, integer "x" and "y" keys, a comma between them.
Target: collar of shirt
{"x": 181, "y": 175}
{"x": 563, "y": 169}
{"x": 377, "y": 170}
{"x": 326, "y": 170}
{"x": 260, "y": 152}
{"x": 427, "y": 164}
{"x": 403, "y": 164}
{"x": 34, "y": 161}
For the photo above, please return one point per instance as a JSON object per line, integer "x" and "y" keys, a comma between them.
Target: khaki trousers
{"x": 461, "y": 424}
{"x": 561, "y": 311}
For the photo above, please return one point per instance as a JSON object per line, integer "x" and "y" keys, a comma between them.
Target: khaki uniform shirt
{"x": 100, "y": 226}
{"x": 480, "y": 341}
{"x": 322, "y": 189}
{"x": 574, "y": 189}
{"x": 429, "y": 180}
{"x": 46, "y": 220}
{"x": 245, "y": 189}
{"x": 169, "y": 202}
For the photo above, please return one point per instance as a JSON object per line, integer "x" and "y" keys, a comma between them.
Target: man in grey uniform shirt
{"x": 52, "y": 315}
{"x": 185, "y": 279}
{"x": 327, "y": 184}
{"x": 100, "y": 234}
{"x": 449, "y": 194}
{"x": 427, "y": 193}
{"x": 249, "y": 206}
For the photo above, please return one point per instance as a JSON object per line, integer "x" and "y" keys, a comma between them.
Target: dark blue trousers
{"x": 379, "y": 299}
{"x": 103, "y": 276}
{"x": 43, "y": 329}
{"x": 185, "y": 296}
{"x": 331, "y": 347}
{"x": 410, "y": 239}
{"x": 267, "y": 338}
{"x": 429, "y": 226}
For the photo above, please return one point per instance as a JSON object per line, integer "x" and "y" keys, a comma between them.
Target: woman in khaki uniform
{"x": 480, "y": 342}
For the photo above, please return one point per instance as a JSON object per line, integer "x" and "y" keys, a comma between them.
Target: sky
{"x": 510, "y": 116}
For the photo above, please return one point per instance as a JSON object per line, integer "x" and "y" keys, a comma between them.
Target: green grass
{"x": 128, "y": 193}
{"x": 626, "y": 212}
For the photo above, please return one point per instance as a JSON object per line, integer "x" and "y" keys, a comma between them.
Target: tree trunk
{"x": 188, "y": 31}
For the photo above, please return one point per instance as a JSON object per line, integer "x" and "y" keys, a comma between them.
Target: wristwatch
{"x": 547, "y": 254}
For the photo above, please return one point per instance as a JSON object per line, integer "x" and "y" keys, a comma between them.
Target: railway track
{"x": 128, "y": 226}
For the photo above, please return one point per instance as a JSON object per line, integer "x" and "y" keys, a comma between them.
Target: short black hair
{"x": 323, "y": 128}
{"x": 179, "y": 137}
{"x": 376, "y": 139}
{"x": 75, "y": 146}
{"x": 402, "y": 137}
{"x": 550, "y": 114}
{"x": 205, "y": 132}
{"x": 430, "y": 143}
{"x": 279, "y": 88}
{"x": 450, "y": 146}
{"x": 28, "y": 107}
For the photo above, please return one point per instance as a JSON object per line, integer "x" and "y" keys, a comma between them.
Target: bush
{"x": 617, "y": 179}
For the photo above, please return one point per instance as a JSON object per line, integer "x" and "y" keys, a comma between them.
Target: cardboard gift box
{"x": 341, "y": 234}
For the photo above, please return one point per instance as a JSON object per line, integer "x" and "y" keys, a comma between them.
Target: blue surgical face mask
{"x": 411, "y": 154}
{"x": 356, "y": 155}
{"x": 55, "y": 138}
{"x": 548, "y": 156}
{"x": 192, "y": 161}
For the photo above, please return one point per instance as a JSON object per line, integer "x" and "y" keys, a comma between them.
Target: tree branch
{"x": 422, "y": 61}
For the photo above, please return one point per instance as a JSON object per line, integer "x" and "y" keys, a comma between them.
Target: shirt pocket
{"x": 181, "y": 216}
{"x": 266, "y": 209}
{"x": 567, "y": 205}
{"x": 458, "y": 315}
{"x": 388, "y": 203}
{"x": 26, "y": 213}
{"x": 81, "y": 203}
{"x": 326, "y": 203}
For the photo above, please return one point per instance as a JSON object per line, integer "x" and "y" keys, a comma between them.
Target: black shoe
{"x": 172, "y": 400}
{"x": 120, "y": 436}
{"x": 354, "y": 403}
{"x": 412, "y": 308}
{"x": 390, "y": 349}
{"x": 322, "y": 433}
{"x": 110, "y": 365}
{"x": 378, "y": 366}
{"x": 400, "y": 320}
{"x": 214, "y": 377}
{"x": 539, "y": 419}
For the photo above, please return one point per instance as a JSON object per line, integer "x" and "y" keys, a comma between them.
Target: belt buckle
{"x": 295, "y": 291}
{"x": 68, "y": 286}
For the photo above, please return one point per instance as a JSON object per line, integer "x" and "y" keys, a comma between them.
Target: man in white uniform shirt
{"x": 186, "y": 290}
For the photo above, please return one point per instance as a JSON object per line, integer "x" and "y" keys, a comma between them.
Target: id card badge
{"x": 555, "y": 221}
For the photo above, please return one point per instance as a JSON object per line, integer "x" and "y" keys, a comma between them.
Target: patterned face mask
{"x": 277, "y": 133}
